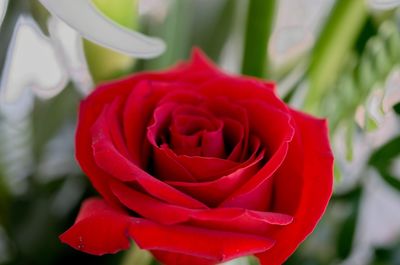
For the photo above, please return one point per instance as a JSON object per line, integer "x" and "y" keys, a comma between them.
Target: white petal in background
{"x": 87, "y": 20}
{"x": 68, "y": 44}
{"x": 3, "y": 8}
{"x": 32, "y": 62}
{"x": 32, "y": 68}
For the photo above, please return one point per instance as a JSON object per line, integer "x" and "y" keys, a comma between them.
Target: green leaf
{"x": 260, "y": 18}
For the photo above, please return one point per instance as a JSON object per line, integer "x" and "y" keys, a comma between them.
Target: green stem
{"x": 337, "y": 38}
{"x": 260, "y": 18}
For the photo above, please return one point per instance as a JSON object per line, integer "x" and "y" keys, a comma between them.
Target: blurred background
{"x": 335, "y": 59}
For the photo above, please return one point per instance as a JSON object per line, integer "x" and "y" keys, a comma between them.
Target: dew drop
{"x": 80, "y": 245}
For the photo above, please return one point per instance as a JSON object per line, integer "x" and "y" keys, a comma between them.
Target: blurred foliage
{"x": 333, "y": 46}
{"x": 353, "y": 56}
{"x": 63, "y": 108}
{"x": 363, "y": 73}
{"x": 206, "y": 24}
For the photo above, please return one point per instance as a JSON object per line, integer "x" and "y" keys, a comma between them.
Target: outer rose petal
{"x": 316, "y": 191}
{"x": 215, "y": 245}
{"x": 98, "y": 229}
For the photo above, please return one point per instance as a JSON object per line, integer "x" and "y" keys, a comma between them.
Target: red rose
{"x": 199, "y": 167}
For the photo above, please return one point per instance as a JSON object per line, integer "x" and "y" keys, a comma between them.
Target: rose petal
{"x": 233, "y": 116}
{"x": 146, "y": 89}
{"x": 164, "y": 167}
{"x": 214, "y": 192}
{"x": 200, "y": 167}
{"x": 184, "y": 144}
{"x": 237, "y": 89}
{"x": 186, "y": 121}
{"x": 234, "y": 136}
{"x": 230, "y": 113}
{"x": 150, "y": 208}
{"x": 204, "y": 168}
{"x": 93, "y": 105}
{"x": 256, "y": 193}
{"x": 136, "y": 116}
{"x": 240, "y": 220}
{"x": 116, "y": 165}
{"x": 84, "y": 152}
{"x": 211, "y": 146}
{"x": 224, "y": 219}
{"x": 99, "y": 229}
{"x": 218, "y": 246}
{"x": 317, "y": 183}
{"x": 109, "y": 120}
{"x": 167, "y": 168}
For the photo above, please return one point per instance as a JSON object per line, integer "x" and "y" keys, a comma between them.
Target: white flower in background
{"x": 88, "y": 21}
{"x": 32, "y": 62}
{"x": 68, "y": 45}
{"x": 3, "y": 8}
{"x": 45, "y": 64}
{"x": 32, "y": 68}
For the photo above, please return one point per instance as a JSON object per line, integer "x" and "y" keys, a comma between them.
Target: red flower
{"x": 199, "y": 167}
